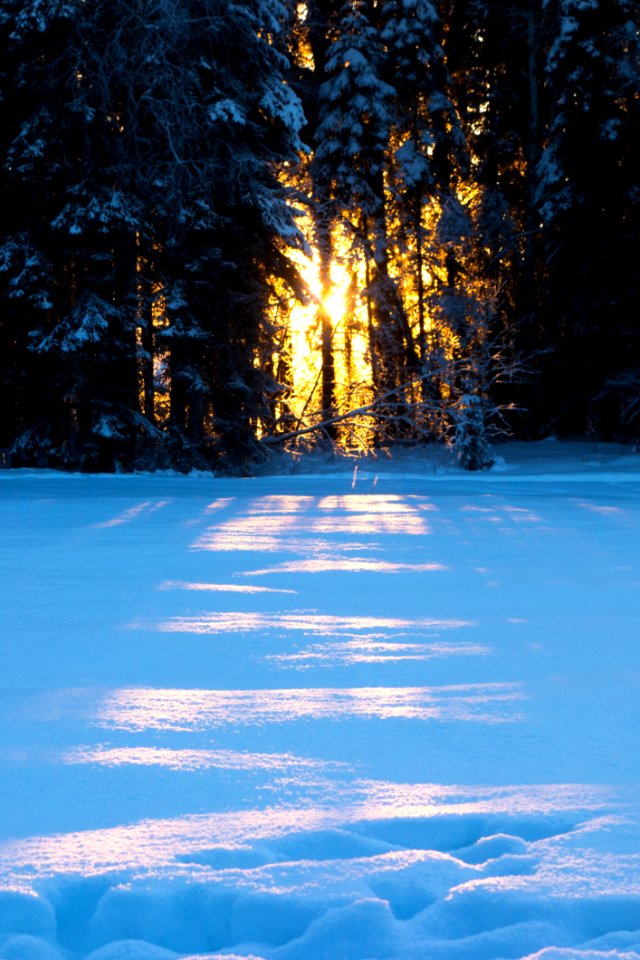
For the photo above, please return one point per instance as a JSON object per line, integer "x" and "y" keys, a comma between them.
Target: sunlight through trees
{"x": 234, "y": 230}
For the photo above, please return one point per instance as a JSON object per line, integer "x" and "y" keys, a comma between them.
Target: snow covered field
{"x": 336, "y": 716}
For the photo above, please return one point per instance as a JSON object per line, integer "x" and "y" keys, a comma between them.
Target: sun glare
{"x": 349, "y": 342}
{"x": 305, "y": 318}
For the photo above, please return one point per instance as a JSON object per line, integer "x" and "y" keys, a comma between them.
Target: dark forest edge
{"x": 473, "y": 167}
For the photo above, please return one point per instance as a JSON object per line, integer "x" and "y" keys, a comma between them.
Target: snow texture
{"x": 384, "y": 714}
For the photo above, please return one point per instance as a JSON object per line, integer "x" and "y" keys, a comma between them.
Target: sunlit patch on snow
{"x": 141, "y": 708}
{"x": 280, "y": 504}
{"x": 374, "y": 514}
{"x": 246, "y": 533}
{"x": 374, "y": 503}
{"x": 221, "y": 503}
{"x": 496, "y": 512}
{"x": 545, "y": 800}
{"x": 373, "y": 651}
{"x": 148, "y": 506}
{"x": 238, "y": 538}
{"x": 187, "y": 759}
{"x": 308, "y": 622}
{"x": 267, "y": 520}
{"x": 266, "y": 533}
{"x": 605, "y": 511}
{"x": 352, "y": 564}
{"x": 219, "y": 587}
{"x": 372, "y": 523}
{"x": 427, "y": 819}
{"x": 522, "y": 514}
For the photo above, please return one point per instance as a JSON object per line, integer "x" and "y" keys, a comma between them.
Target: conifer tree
{"x": 353, "y": 135}
{"x": 428, "y": 156}
{"x": 64, "y": 249}
{"x": 589, "y": 204}
{"x": 142, "y": 166}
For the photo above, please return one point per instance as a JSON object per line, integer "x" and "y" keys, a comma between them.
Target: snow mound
{"x": 453, "y": 886}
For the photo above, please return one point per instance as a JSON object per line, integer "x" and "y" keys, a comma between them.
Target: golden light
{"x": 327, "y": 361}
{"x": 305, "y": 318}
{"x": 341, "y": 305}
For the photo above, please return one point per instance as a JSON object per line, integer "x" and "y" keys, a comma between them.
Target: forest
{"x": 239, "y": 229}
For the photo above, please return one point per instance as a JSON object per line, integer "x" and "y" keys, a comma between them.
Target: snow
{"x": 389, "y": 713}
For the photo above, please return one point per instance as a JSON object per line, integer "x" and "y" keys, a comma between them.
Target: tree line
{"x": 167, "y": 165}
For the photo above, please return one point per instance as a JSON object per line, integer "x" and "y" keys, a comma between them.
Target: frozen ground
{"x": 331, "y": 716}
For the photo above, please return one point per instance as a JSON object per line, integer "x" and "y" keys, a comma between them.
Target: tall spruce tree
{"x": 590, "y": 206}
{"x": 226, "y": 224}
{"x": 427, "y": 159}
{"x": 142, "y": 167}
{"x": 353, "y": 136}
{"x": 494, "y": 54}
{"x": 310, "y": 42}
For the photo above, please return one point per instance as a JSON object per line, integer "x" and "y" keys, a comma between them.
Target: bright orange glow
{"x": 343, "y": 306}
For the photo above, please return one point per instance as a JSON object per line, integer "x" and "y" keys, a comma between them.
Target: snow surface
{"x": 390, "y": 712}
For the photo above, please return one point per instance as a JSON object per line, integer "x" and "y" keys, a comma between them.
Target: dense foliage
{"x": 473, "y": 166}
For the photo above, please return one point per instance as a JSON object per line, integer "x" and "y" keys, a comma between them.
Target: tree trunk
{"x": 324, "y": 245}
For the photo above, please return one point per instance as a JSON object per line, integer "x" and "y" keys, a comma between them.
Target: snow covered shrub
{"x": 470, "y": 441}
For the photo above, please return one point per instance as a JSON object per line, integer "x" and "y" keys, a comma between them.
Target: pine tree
{"x": 74, "y": 229}
{"x": 353, "y": 136}
{"x": 494, "y": 57}
{"x": 427, "y": 161}
{"x": 228, "y": 229}
{"x": 589, "y": 203}
{"x": 146, "y": 224}
{"x": 310, "y": 42}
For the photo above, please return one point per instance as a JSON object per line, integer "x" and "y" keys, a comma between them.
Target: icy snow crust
{"x": 346, "y": 715}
